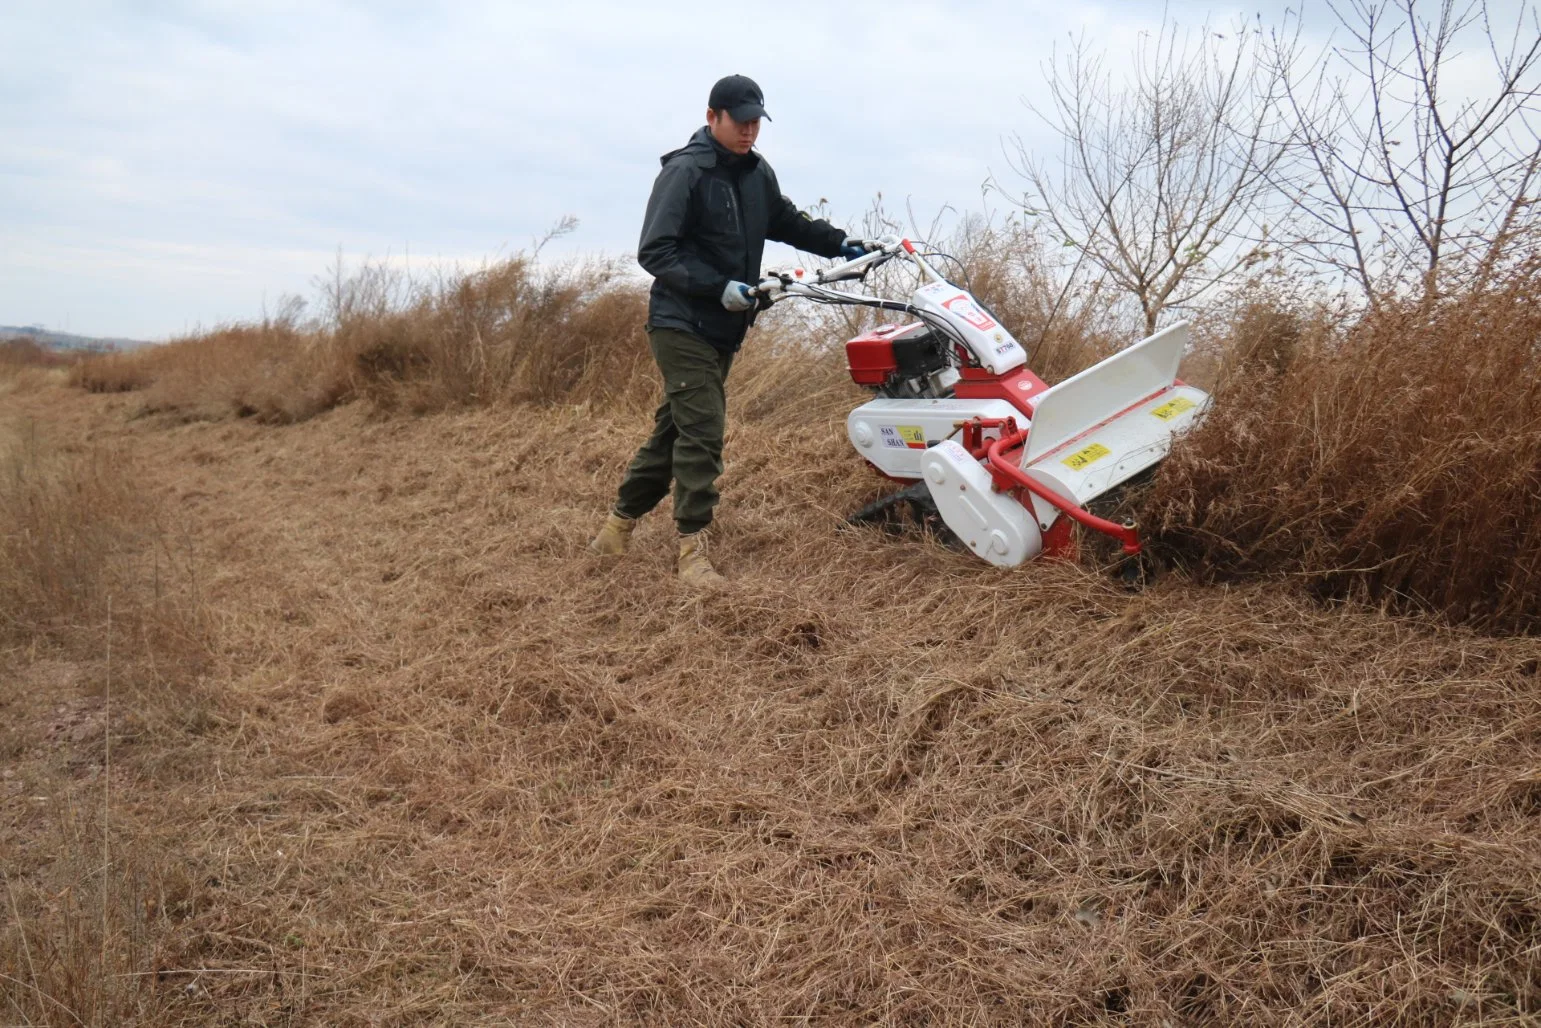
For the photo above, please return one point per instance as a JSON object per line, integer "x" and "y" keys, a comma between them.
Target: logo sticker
{"x": 901, "y": 437}
{"x": 966, "y": 309}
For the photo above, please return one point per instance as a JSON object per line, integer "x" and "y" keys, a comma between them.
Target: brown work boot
{"x": 613, "y": 539}
{"x": 694, "y": 567}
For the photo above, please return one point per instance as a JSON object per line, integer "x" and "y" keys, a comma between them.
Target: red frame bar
{"x": 1008, "y": 475}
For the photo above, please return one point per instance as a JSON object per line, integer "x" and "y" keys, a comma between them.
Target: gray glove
{"x": 737, "y": 298}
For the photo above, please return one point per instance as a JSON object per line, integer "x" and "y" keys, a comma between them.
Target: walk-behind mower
{"x": 1006, "y": 462}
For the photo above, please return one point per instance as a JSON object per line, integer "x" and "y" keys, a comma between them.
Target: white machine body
{"x": 894, "y": 434}
{"x": 995, "y": 525}
{"x": 1101, "y": 427}
{"x": 992, "y": 346}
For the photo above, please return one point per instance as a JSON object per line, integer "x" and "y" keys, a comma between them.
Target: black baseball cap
{"x": 740, "y": 97}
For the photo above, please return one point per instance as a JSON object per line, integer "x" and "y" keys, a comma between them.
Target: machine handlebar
{"x": 778, "y": 285}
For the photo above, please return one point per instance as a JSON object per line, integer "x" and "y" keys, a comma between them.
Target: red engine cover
{"x": 1020, "y": 388}
{"x": 870, "y": 357}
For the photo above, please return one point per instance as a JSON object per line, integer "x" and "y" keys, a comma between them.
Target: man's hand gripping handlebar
{"x": 778, "y": 285}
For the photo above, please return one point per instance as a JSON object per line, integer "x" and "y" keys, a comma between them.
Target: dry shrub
{"x": 1398, "y": 460}
{"x": 30, "y": 379}
{"x": 519, "y": 331}
{"x": 25, "y": 352}
{"x": 118, "y": 372}
{"x": 791, "y": 370}
{"x": 1264, "y": 337}
{"x": 25, "y": 366}
{"x": 270, "y": 371}
{"x": 513, "y": 331}
{"x": 273, "y": 373}
{"x": 510, "y": 332}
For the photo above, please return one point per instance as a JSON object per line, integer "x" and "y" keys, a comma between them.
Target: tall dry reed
{"x": 511, "y": 332}
{"x": 1397, "y": 459}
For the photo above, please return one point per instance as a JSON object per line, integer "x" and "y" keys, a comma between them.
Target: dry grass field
{"x": 317, "y": 711}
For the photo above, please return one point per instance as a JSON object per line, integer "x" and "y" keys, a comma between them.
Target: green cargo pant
{"x": 686, "y": 444}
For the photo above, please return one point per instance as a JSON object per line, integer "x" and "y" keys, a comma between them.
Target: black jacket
{"x": 706, "y": 224}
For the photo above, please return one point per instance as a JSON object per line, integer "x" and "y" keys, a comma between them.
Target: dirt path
{"x": 451, "y": 769}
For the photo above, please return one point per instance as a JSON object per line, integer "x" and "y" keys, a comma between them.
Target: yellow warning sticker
{"x": 1085, "y": 456}
{"x": 1171, "y": 408}
{"x": 914, "y": 436}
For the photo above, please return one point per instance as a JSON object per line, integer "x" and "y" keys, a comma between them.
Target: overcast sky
{"x": 169, "y": 165}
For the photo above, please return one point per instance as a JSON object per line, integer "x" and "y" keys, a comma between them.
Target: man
{"x": 714, "y": 205}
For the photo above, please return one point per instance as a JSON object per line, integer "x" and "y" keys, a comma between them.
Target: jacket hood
{"x": 705, "y": 150}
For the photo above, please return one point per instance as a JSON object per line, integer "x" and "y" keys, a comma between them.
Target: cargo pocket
{"x": 692, "y": 380}
{"x": 696, "y": 401}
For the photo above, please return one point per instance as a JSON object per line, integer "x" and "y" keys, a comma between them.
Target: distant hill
{"x": 64, "y": 342}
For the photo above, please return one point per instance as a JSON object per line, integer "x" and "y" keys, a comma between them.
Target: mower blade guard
{"x": 992, "y": 523}
{"x": 1103, "y": 426}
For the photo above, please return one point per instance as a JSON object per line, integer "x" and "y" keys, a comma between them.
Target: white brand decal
{"x": 966, "y": 309}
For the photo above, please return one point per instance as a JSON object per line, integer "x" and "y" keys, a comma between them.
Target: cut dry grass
{"x": 469, "y": 774}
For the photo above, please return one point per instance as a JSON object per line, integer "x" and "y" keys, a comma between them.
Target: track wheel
{"x": 909, "y": 509}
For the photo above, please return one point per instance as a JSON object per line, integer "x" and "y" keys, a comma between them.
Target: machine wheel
{"x": 910, "y": 508}
{"x": 1134, "y": 573}
{"x": 1118, "y": 504}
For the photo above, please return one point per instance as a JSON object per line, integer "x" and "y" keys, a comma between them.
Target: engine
{"x": 901, "y": 361}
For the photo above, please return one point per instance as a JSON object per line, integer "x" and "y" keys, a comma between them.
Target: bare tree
{"x": 1162, "y": 175}
{"x": 1401, "y": 170}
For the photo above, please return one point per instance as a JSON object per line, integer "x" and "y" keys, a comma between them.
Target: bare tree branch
{"x": 1441, "y": 177}
{"x": 1161, "y": 176}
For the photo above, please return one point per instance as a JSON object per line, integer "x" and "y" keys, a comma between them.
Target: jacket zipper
{"x": 736, "y": 200}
